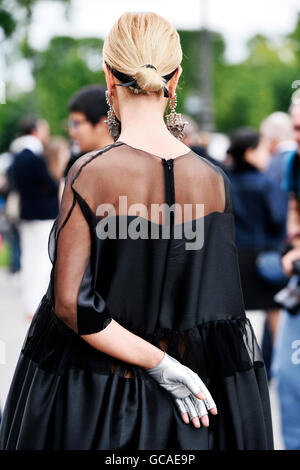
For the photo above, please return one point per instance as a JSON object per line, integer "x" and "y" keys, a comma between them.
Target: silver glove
{"x": 183, "y": 384}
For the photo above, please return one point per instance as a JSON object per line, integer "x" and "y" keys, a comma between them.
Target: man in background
{"x": 277, "y": 130}
{"x": 87, "y": 128}
{"x": 38, "y": 207}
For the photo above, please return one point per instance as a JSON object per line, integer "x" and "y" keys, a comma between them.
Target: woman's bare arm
{"x": 120, "y": 343}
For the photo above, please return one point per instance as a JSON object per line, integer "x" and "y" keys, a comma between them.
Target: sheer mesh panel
{"x": 98, "y": 179}
{"x": 139, "y": 175}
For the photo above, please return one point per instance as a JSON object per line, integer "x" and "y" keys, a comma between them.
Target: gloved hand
{"x": 191, "y": 396}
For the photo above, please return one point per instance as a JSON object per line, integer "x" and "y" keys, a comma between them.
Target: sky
{"x": 237, "y": 20}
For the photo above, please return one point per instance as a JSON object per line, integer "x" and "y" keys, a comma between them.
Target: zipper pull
{"x": 169, "y": 162}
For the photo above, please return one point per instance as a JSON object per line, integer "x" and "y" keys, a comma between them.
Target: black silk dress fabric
{"x": 67, "y": 395}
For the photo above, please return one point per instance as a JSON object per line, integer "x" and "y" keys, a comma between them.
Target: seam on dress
{"x": 92, "y": 158}
{"x": 75, "y": 177}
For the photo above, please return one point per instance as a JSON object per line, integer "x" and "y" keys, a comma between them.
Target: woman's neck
{"x": 140, "y": 115}
{"x": 143, "y": 126}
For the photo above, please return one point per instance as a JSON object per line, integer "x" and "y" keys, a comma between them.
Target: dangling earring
{"x": 175, "y": 124}
{"x": 113, "y": 123}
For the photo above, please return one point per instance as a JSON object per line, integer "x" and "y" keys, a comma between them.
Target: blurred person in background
{"x": 38, "y": 199}
{"x": 257, "y": 218}
{"x": 277, "y": 131}
{"x": 286, "y": 355}
{"x": 191, "y": 136}
{"x": 197, "y": 141}
{"x": 28, "y": 127}
{"x": 32, "y": 132}
{"x": 218, "y": 146}
{"x": 8, "y": 228}
{"x": 87, "y": 127}
{"x": 5, "y": 162}
{"x": 57, "y": 155}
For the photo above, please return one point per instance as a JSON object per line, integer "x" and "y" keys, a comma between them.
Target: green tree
{"x": 247, "y": 92}
{"x": 9, "y": 10}
{"x": 64, "y": 67}
{"x": 59, "y": 71}
{"x": 189, "y": 81}
{"x": 11, "y": 113}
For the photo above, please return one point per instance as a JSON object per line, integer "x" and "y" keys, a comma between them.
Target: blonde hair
{"x": 138, "y": 39}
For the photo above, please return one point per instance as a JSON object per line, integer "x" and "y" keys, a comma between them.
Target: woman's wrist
{"x": 153, "y": 359}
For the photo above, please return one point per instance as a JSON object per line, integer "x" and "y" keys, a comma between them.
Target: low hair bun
{"x": 148, "y": 79}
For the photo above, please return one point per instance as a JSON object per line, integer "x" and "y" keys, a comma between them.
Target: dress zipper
{"x": 170, "y": 191}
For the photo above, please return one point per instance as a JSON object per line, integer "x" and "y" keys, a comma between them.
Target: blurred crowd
{"x": 264, "y": 169}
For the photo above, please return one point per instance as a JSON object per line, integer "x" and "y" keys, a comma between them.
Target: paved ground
{"x": 13, "y": 327}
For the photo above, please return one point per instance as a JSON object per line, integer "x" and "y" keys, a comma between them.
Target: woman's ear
{"x": 174, "y": 80}
{"x": 110, "y": 79}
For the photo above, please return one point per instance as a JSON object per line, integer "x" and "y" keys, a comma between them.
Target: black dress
{"x": 182, "y": 294}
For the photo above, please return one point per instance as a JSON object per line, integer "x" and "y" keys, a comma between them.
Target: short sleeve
{"x": 76, "y": 303}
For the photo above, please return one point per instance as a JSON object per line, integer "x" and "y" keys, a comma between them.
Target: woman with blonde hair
{"x": 141, "y": 341}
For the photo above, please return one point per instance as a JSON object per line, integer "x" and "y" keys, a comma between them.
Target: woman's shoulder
{"x": 85, "y": 162}
{"x": 216, "y": 169}
{"x": 209, "y": 162}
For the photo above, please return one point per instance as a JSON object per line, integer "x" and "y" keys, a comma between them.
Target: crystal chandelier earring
{"x": 174, "y": 120}
{"x": 113, "y": 123}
